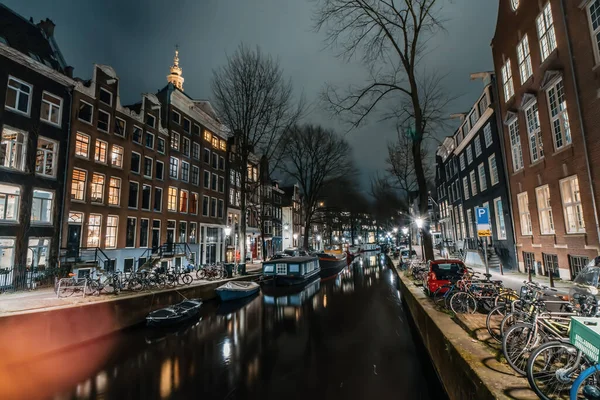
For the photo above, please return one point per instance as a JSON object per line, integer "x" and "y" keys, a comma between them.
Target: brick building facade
{"x": 547, "y": 86}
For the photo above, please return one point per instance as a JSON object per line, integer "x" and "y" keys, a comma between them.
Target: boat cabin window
{"x": 281, "y": 269}
{"x": 294, "y": 268}
{"x": 268, "y": 268}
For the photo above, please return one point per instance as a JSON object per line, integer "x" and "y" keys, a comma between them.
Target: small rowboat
{"x": 174, "y": 314}
{"x": 331, "y": 264}
{"x": 234, "y": 290}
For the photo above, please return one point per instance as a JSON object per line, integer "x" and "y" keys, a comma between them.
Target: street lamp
{"x": 419, "y": 222}
{"x": 295, "y": 238}
{"x": 227, "y": 230}
{"x": 405, "y": 230}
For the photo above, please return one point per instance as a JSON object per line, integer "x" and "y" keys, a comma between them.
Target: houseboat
{"x": 331, "y": 264}
{"x": 367, "y": 247}
{"x": 292, "y": 270}
{"x": 291, "y": 296}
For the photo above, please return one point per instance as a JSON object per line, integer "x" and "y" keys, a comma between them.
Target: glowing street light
{"x": 419, "y": 222}
{"x": 318, "y": 238}
{"x": 295, "y": 236}
{"x": 395, "y": 230}
{"x": 405, "y": 230}
{"x": 227, "y": 230}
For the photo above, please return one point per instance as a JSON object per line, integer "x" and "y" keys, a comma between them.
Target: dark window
{"x": 157, "y": 199}
{"x": 577, "y": 263}
{"x": 185, "y": 171}
{"x": 150, "y": 120}
{"x": 196, "y": 130}
{"x": 85, "y": 112}
{"x": 213, "y": 207}
{"x": 196, "y": 151}
{"x": 149, "y": 140}
{"x": 206, "y": 180}
{"x": 529, "y": 261}
{"x": 215, "y": 161}
{"x": 148, "y": 167}
{"x": 146, "y": 193}
{"x": 221, "y": 184}
{"x": 207, "y": 156}
{"x": 160, "y": 145}
{"x": 195, "y": 175}
{"x": 213, "y": 185}
{"x": 220, "y": 210}
{"x": 128, "y": 265}
{"x": 134, "y": 188}
{"x": 185, "y": 146}
{"x": 119, "y": 127}
{"x": 205, "y": 206}
{"x": 136, "y": 136}
{"x": 160, "y": 169}
{"x": 221, "y": 163}
{"x": 103, "y": 120}
{"x": 551, "y": 265}
{"x": 105, "y": 96}
{"x": 176, "y": 117}
{"x": 144, "y": 225}
{"x": 130, "y": 232}
{"x": 186, "y": 125}
{"x": 135, "y": 163}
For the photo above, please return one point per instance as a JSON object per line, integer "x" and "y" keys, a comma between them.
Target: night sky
{"x": 137, "y": 39}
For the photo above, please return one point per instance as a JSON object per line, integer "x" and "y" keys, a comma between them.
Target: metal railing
{"x": 94, "y": 256}
{"x": 20, "y": 278}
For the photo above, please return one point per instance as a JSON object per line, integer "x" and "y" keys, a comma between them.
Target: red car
{"x": 442, "y": 272}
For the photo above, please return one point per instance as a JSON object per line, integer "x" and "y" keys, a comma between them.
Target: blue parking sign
{"x": 483, "y": 215}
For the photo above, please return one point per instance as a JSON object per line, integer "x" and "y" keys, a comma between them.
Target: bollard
{"x": 501, "y": 269}
{"x": 551, "y": 278}
{"x": 529, "y": 273}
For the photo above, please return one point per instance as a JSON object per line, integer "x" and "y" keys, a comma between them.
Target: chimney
{"x": 47, "y": 26}
{"x": 69, "y": 71}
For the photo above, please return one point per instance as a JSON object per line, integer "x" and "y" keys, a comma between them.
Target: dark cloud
{"x": 137, "y": 38}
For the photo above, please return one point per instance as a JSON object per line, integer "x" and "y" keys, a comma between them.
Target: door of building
{"x": 529, "y": 261}
{"x": 551, "y": 265}
{"x": 73, "y": 240}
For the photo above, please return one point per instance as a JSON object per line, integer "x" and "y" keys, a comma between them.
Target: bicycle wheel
{"x": 517, "y": 344}
{"x": 493, "y": 321}
{"x": 186, "y": 279}
{"x": 587, "y": 385}
{"x": 547, "y": 366}
{"x": 511, "y": 319}
{"x": 463, "y": 303}
{"x": 506, "y": 297}
{"x": 92, "y": 287}
{"x": 171, "y": 280}
{"x": 439, "y": 298}
{"x": 449, "y": 295}
{"x": 200, "y": 273}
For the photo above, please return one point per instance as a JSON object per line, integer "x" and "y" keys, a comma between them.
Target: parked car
{"x": 293, "y": 252}
{"x": 407, "y": 254}
{"x": 442, "y": 272}
{"x": 280, "y": 255}
{"x": 588, "y": 280}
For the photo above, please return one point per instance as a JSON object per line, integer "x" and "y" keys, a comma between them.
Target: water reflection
{"x": 266, "y": 344}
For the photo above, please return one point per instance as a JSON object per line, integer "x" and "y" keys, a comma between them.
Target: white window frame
{"x": 18, "y": 156}
{"x": 51, "y": 106}
{"x": 207, "y": 207}
{"x": 139, "y": 171}
{"x": 89, "y": 140}
{"x": 194, "y": 147}
{"x": 163, "y": 170}
{"x": 515, "y": 145}
{"x": 96, "y": 185}
{"x": 109, "y": 232}
{"x": 494, "y": 176}
{"x": 92, "y": 113}
{"x": 594, "y": 32}
{"x": 153, "y": 124}
{"x": 524, "y": 59}
{"x": 134, "y": 232}
{"x": 477, "y": 146}
{"x": 469, "y": 154}
{"x": 559, "y": 116}
{"x": 463, "y": 165}
{"x": 169, "y": 198}
{"x": 6, "y": 198}
{"x": 574, "y": 205}
{"x": 100, "y": 111}
{"x": 137, "y": 197}
{"x": 144, "y": 186}
{"x": 175, "y": 141}
{"x": 189, "y": 146}
{"x": 98, "y": 151}
{"x": 524, "y": 214}
{"x": 196, "y": 181}
{"x": 187, "y": 201}
{"x": 124, "y": 127}
{"x": 185, "y": 178}
{"x": 482, "y": 178}
{"x": 42, "y": 201}
{"x": 507, "y": 81}
{"x": 84, "y": 184}
{"x": 110, "y": 94}
{"x": 466, "y": 187}
{"x": 544, "y": 206}
{"x": 91, "y": 228}
{"x": 114, "y": 191}
{"x": 135, "y": 127}
{"x": 18, "y": 95}
{"x": 153, "y": 139}
{"x": 155, "y": 197}
{"x": 500, "y": 235}
{"x": 174, "y": 168}
{"x": 149, "y": 176}
{"x": 487, "y": 135}
{"x": 44, "y": 153}
{"x": 178, "y": 122}
{"x": 473, "y": 180}
{"x": 534, "y": 133}
{"x": 113, "y": 158}
{"x": 546, "y": 33}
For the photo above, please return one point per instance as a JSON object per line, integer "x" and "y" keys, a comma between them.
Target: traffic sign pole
{"x": 483, "y": 230}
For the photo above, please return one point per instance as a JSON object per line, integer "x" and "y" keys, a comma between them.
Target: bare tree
{"x": 256, "y": 102}
{"x": 390, "y": 36}
{"x": 315, "y": 157}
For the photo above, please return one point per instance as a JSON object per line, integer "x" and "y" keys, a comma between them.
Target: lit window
{"x": 515, "y": 144}
{"x": 51, "y": 108}
{"x": 524, "y": 215}
{"x": 116, "y": 156}
{"x": 112, "y": 228}
{"x": 94, "y": 228}
{"x": 18, "y": 95}
{"x": 119, "y": 127}
{"x": 175, "y": 141}
{"x": 45, "y": 160}
{"x": 466, "y": 187}
{"x": 223, "y": 145}
{"x": 593, "y": 11}
{"x": 9, "y": 202}
{"x": 86, "y": 112}
{"x": 157, "y": 199}
{"x": 13, "y": 149}
{"x": 545, "y": 30}
{"x": 482, "y": 179}
{"x": 473, "y": 179}
{"x": 207, "y": 135}
{"x": 172, "y": 199}
{"x": 544, "y": 209}
{"x": 524, "y": 59}
{"x": 500, "y": 225}
{"x": 559, "y": 118}
{"x": 174, "y": 168}
{"x": 215, "y": 142}
{"x": 82, "y": 145}
{"x": 103, "y": 121}
{"x": 183, "y": 201}
{"x": 573, "y": 210}
{"x": 507, "y": 81}
{"x": 114, "y": 191}
{"x": 78, "y": 183}
{"x": 494, "y": 179}
{"x": 536, "y": 147}
{"x": 100, "y": 151}
{"x": 98, "y": 182}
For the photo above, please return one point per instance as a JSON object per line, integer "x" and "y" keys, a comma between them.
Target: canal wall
{"x": 466, "y": 368}
{"x": 50, "y": 330}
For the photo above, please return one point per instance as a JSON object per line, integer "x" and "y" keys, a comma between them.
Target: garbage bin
{"x": 228, "y": 270}
{"x": 242, "y": 269}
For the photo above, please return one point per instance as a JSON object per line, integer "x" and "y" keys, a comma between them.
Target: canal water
{"x": 346, "y": 336}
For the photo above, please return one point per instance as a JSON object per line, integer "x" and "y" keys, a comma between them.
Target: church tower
{"x": 175, "y": 76}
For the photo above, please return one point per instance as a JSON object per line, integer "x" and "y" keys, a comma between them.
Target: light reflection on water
{"x": 236, "y": 347}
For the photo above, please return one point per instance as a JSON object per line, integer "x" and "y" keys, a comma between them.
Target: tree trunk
{"x": 306, "y": 232}
{"x": 423, "y": 198}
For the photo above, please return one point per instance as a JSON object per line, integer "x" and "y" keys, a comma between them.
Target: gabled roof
{"x": 35, "y": 41}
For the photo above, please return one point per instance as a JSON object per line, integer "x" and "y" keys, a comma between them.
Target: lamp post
{"x": 395, "y": 236}
{"x": 419, "y": 222}
{"x": 319, "y": 242}
{"x": 227, "y": 231}
{"x": 295, "y": 238}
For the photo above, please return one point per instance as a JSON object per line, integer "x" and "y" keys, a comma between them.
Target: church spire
{"x": 175, "y": 76}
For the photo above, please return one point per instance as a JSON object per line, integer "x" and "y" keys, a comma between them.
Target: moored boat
{"x": 174, "y": 314}
{"x": 234, "y": 290}
{"x": 331, "y": 264}
{"x": 367, "y": 247}
{"x": 291, "y": 271}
